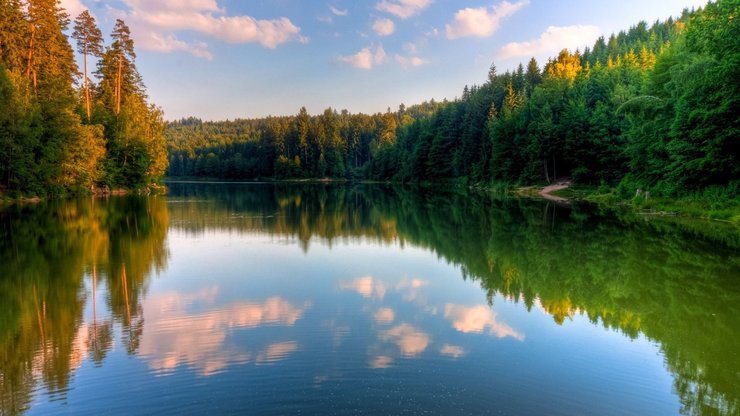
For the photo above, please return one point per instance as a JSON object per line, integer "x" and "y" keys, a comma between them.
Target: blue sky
{"x": 226, "y": 59}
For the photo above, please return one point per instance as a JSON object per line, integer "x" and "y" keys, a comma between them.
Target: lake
{"x": 363, "y": 299}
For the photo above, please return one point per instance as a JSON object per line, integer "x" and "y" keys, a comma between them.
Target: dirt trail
{"x": 547, "y": 191}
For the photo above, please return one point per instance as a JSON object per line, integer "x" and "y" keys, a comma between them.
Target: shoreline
{"x": 562, "y": 192}
{"x": 99, "y": 192}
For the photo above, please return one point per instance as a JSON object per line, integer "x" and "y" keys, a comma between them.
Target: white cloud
{"x": 410, "y": 61}
{"x": 453, "y": 351}
{"x": 403, "y": 8}
{"x": 554, "y": 39}
{"x": 169, "y": 43}
{"x": 384, "y": 27}
{"x": 483, "y": 21}
{"x": 175, "y": 336}
{"x": 366, "y": 58}
{"x": 478, "y": 319}
{"x": 154, "y": 26}
{"x": 73, "y": 7}
{"x": 338, "y": 12}
{"x": 367, "y": 286}
{"x": 384, "y": 316}
{"x": 410, "y": 340}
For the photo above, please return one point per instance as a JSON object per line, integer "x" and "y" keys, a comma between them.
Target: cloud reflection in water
{"x": 173, "y": 336}
{"x": 477, "y": 319}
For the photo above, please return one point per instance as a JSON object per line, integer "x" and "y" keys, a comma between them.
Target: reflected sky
{"x": 390, "y": 306}
{"x": 266, "y": 310}
{"x": 331, "y": 314}
{"x": 178, "y": 334}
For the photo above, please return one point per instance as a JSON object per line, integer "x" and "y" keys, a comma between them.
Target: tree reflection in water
{"x": 676, "y": 284}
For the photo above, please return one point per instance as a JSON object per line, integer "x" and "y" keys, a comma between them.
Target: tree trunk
{"x": 30, "y": 52}
{"x": 87, "y": 85}
{"x": 118, "y": 82}
{"x": 547, "y": 174}
{"x": 554, "y": 170}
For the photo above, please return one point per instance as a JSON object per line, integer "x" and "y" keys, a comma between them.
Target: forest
{"x": 62, "y": 132}
{"x": 653, "y": 108}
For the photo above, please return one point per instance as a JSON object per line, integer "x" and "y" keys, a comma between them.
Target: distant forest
{"x": 653, "y": 107}
{"x": 60, "y": 131}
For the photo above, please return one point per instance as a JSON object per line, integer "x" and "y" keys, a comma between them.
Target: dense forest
{"x": 60, "y": 131}
{"x": 332, "y": 144}
{"x": 654, "y": 107}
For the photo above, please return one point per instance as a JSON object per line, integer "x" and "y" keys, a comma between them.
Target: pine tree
{"x": 533, "y": 76}
{"x": 50, "y": 57}
{"x": 123, "y": 53}
{"x": 13, "y": 32}
{"x": 89, "y": 42}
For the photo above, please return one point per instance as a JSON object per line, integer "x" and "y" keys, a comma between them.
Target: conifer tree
{"x": 89, "y": 42}
{"x": 13, "y": 34}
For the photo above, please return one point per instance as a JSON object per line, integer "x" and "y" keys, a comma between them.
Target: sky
{"x": 227, "y": 59}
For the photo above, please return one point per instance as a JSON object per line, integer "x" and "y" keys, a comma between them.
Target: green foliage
{"x": 45, "y": 147}
{"x": 651, "y": 108}
{"x": 333, "y": 144}
{"x": 47, "y": 252}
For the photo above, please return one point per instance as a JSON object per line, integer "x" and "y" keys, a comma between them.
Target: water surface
{"x": 328, "y": 299}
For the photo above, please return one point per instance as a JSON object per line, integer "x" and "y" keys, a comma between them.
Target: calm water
{"x": 277, "y": 299}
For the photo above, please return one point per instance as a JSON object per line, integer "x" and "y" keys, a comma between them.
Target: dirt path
{"x": 547, "y": 191}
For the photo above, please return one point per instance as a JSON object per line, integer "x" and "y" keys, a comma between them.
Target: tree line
{"x": 60, "y": 131}
{"x": 333, "y": 144}
{"x": 653, "y": 107}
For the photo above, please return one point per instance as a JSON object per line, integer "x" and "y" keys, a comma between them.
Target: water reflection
{"x": 454, "y": 351}
{"x": 46, "y": 254}
{"x": 75, "y": 284}
{"x": 411, "y": 341}
{"x": 175, "y": 335}
{"x": 479, "y": 319}
{"x": 366, "y": 286}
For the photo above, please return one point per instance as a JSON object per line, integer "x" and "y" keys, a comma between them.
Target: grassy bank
{"x": 720, "y": 206}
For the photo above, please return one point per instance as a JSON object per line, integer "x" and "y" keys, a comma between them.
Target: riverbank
{"x": 715, "y": 208}
{"x": 99, "y": 192}
{"x": 563, "y": 192}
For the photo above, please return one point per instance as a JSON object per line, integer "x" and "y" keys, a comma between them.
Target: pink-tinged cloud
{"x": 482, "y": 21}
{"x": 173, "y": 336}
{"x": 409, "y": 340}
{"x": 155, "y": 24}
{"x": 384, "y": 316}
{"x": 403, "y": 9}
{"x": 367, "y": 286}
{"x": 554, "y": 39}
{"x": 384, "y": 27}
{"x": 479, "y": 319}
{"x": 73, "y": 7}
{"x": 276, "y": 352}
{"x": 453, "y": 351}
